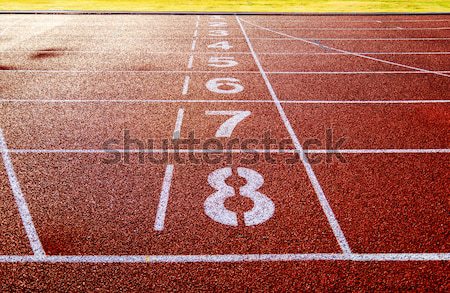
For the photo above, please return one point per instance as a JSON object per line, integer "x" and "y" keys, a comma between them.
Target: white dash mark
{"x": 178, "y": 123}
{"x": 194, "y": 44}
{"x": 191, "y": 61}
{"x": 186, "y": 85}
{"x": 163, "y": 199}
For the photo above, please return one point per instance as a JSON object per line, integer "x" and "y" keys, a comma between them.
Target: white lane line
{"x": 340, "y": 237}
{"x": 178, "y": 123}
{"x": 164, "y": 199}
{"x": 196, "y": 32}
{"x": 215, "y": 72}
{"x": 348, "y": 52}
{"x": 185, "y": 90}
{"x": 194, "y": 44}
{"x": 191, "y": 61}
{"x": 21, "y": 202}
{"x": 360, "y": 28}
{"x": 225, "y": 258}
{"x": 197, "y": 22}
{"x": 380, "y": 151}
{"x": 235, "y": 53}
{"x": 354, "y": 72}
{"x": 228, "y": 151}
{"x": 130, "y": 101}
{"x": 291, "y": 21}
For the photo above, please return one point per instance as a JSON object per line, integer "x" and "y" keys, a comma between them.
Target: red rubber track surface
{"x": 92, "y": 108}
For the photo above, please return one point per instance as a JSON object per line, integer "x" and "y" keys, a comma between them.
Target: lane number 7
{"x": 226, "y": 129}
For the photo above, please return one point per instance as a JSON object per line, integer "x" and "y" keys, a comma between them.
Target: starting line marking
{"x": 337, "y": 231}
{"x": 224, "y": 258}
{"x": 347, "y": 52}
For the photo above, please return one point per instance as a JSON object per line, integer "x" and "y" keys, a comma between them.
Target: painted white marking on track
{"x": 340, "y": 237}
{"x": 194, "y": 44}
{"x": 227, "y": 151}
{"x": 348, "y": 52}
{"x": 178, "y": 123}
{"x": 224, "y": 258}
{"x": 133, "y": 101}
{"x": 190, "y": 62}
{"x": 222, "y": 72}
{"x": 185, "y": 90}
{"x": 21, "y": 202}
{"x": 164, "y": 199}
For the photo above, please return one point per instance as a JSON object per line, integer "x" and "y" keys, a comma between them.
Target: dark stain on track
{"x": 6, "y": 67}
{"x": 47, "y": 53}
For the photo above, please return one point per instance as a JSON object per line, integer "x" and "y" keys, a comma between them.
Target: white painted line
{"x": 163, "y": 199}
{"x": 359, "y": 28}
{"x": 131, "y": 101}
{"x": 291, "y": 21}
{"x": 227, "y": 151}
{"x": 196, "y": 32}
{"x": 185, "y": 90}
{"x": 340, "y": 237}
{"x": 234, "y": 53}
{"x": 227, "y": 258}
{"x": 214, "y": 72}
{"x": 131, "y": 151}
{"x": 234, "y": 101}
{"x": 379, "y": 151}
{"x": 354, "y": 72}
{"x": 365, "y": 102}
{"x": 190, "y": 62}
{"x": 21, "y": 202}
{"x": 178, "y": 123}
{"x": 194, "y": 44}
{"x": 348, "y": 52}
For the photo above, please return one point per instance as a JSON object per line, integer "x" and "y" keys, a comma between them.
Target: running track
{"x": 367, "y": 210}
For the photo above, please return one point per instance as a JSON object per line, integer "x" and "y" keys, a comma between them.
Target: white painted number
{"x": 263, "y": 207}
{"x": 218, "y": 33}
{"x": 222, "y": 62}
{"x": 225, "y": 85}
{"x": 226, "y": 129}
{"x": 224, "y": 45}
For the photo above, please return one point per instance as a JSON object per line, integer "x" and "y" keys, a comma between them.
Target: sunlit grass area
{"x": 233, "y": 5}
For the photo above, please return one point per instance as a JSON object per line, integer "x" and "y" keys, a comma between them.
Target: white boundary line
{"x": 361, "y": 28}
{"x": 231, "y": 53}
{"x": 131, "y": 101}
{"x": 348, "y": 52}
{"x": 226, "y": 258}
{"x": 119, "y": 38}
{"x": 21, "y": 202}
{"x": 340, "y": 237}
{"x": 226, "y": 151}
{"x": 190, "y": 62}
{"x": 163, "y": 199}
